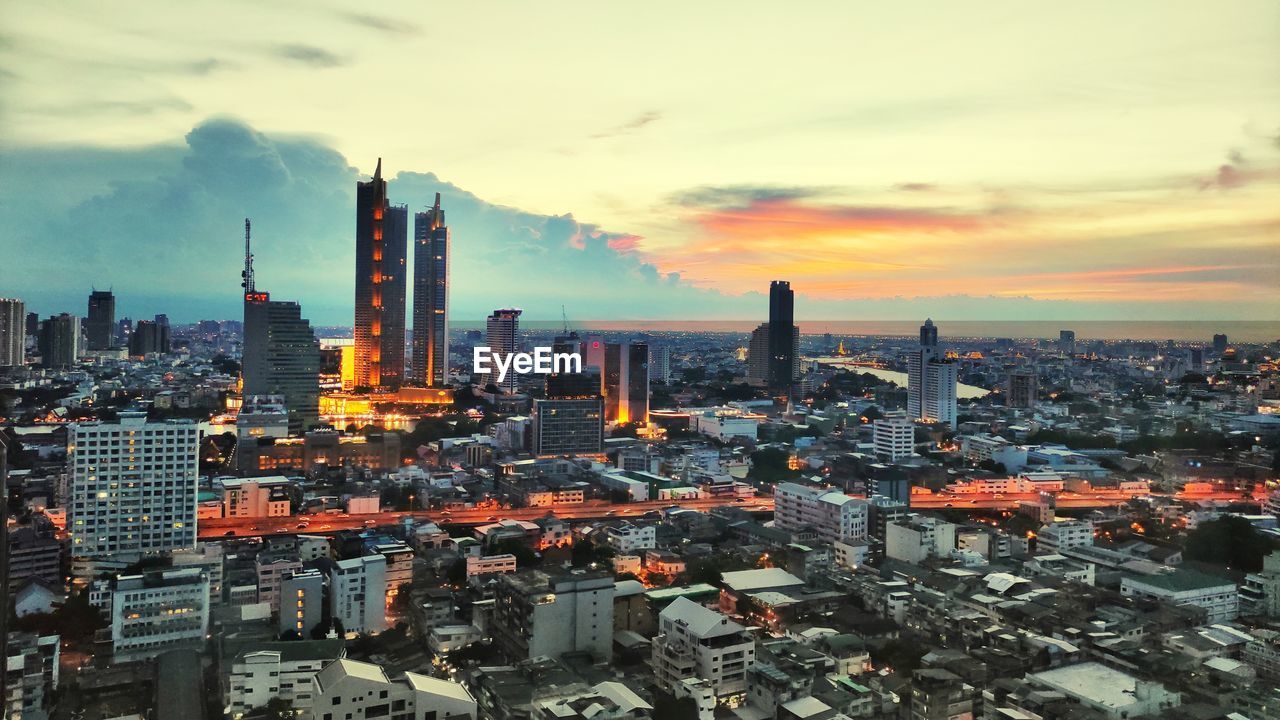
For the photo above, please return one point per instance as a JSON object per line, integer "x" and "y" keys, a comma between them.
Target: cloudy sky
{"x": 990, "y": 160}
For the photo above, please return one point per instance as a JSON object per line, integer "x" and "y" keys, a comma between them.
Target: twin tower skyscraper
{"x": 381, "y": 282}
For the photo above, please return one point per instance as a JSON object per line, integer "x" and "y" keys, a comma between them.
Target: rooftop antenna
{"x": 247, "y": 274}
{"x": 565, "y": 317}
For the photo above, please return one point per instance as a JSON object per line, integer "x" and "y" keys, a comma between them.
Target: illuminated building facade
{"x": 381, "y": 248}
{"x": 281, "y": 355}
{"x": 132, "y": 486}
{"x": 502, "y": 335}
{"x": 1024, "y": 386}
{"x": 430, "y": 359}
{"x": 626, "y": 383}
{"x": 568, "y": 426}
{"x": 101, "y": 325}
{"x": 320, "y": 449}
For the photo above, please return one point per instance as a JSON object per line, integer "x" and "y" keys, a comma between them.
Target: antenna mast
{"x": 565, "y": 317}
{"x": 247, "y": 274}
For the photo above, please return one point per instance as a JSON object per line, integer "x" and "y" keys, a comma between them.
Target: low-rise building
{"x": 1219, "y": 597}
{"x": 264, "y": 671}
{"x": 351, "y": 690}
{"x": 695, "y": 642}
{"x": 158, "y": 611}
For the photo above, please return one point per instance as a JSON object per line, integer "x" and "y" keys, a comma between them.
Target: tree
{"x": 668, "y": 707}
{"x": 770, "y": 466}
{"x": 1229, "y": 541}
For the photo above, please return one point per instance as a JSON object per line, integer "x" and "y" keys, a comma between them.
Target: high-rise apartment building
{"x": 381, "y": 248}
{"x": 1220, "y": 343}
{"x": 100, "y": 326}
{"x": 931, "y": 380}
{"x": 430, "y": 356}
{"x": 1024, "y": 386}
{"x": 502, "y": 335}
{"x": 626, "y": 383}
{"x": 281, "y": 354}
{"x": 59, "y": 342}
{"x": 660, "y": 363}
{"x": 13, "y": 332}
{"x": 149, "y": 337}
{"x": 133, "y": 486}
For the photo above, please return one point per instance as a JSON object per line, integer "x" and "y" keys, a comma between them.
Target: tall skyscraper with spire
{"x": 382, "y": 241}
{"x": 931, "y": 380}
{"x": 281, "y": 354}
{"x": 430, "y": 357}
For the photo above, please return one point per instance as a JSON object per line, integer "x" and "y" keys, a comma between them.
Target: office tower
{"x": 1219, "y": 343}
{"x": 502, "y": 335}
{"x": 431, "y": 297}
{"x": 572, "y": 384}
{"x": 358, "y": 594}
{"x": 593, "y": 348}
{"x": 626, "y": 383}
{"x": 124, "y": 330}
{"x": 931, "y": 380}
{"x": 894, "y": 436}
{"x": 60, "y": 341}
{"x": 660, "y": 363}
{"x": 281, "y": 354}
{"x": 568, "y": 426}
{"x": 1067, "y": 342}
{"x": 784, "y": 337}
{"x": 13, "y": 332}
{"x": 1024, "y": 386}
{"x": 132, "y": 486}
{"x": 381, "y": 247}
{"x": 149, "y": 337}
{"x": 552, "y": 612}
{"x": 162, "y": 320}
{"x": 100, "y": 323}
{"x": 33, "y": 324}
{"x": 833, "y": 515}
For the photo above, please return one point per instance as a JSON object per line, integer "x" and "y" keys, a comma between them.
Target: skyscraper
{"x": 381, "y": 248}
{"x": 281, "y": 354}
{"x": 101, "y": 321}
{"x": 13, "y": 332}
{"x": 501, "y": 334}
{"x": 931, "y": 380}
{"x": 149, "y": 337}
{"x": 1067, "y": 342}
{"x": 124, "y": 329}
{"x": 1219, "y": 343}
{"x": 1023, "y": 388}
{"x": 430, "y": 365}
{"x": 626, "y": 383}
{"x": 60, "y": 341}
{"x": 133, "y": 486}
{"x": 660, "y": 362}
{"x": 783, "y": 337}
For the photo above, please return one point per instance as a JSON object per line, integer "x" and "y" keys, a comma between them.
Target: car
{"x": 257, "y": 528}
{"x": 950, "y": 505}
{"x": 325, "y": 527}
{"x": 492, "y": 518}
{"x": 370, "y": 523}
{"x": 229, "y": 533}
{"x": 302, "y": 525}
{"x": 612, "y": 512}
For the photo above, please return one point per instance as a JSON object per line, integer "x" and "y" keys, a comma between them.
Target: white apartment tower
{"x": 894, "y": 436}
{"x": 358, "y": 594}
{"x": 132, "y": 486}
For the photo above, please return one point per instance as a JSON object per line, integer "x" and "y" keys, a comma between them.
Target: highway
{"x": 214, "y": 528}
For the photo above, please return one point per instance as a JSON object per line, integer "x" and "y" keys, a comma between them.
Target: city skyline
{"x": 1132, "y": 182}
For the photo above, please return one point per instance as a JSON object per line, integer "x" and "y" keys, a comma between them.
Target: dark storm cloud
{"x": 164, "y": 226}
{"x": 311, "y": 55}
{"x": 390, "y": 26}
